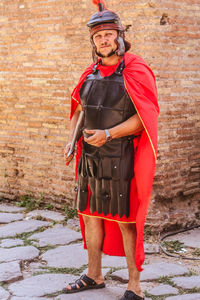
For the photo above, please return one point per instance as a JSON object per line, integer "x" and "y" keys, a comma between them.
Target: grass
{"x": 70, "y": 212}
{"x": 29, "y": 202}
{"x": 45, "y": 248}
{"x": 49, "y": 206}
{"x": 196, "y": 252}
{"x": 51, "y": 270}
{"x": 173, "y": 246}
{"x": 165, "y": 280}
{"x": 155, "y": 297}
{"x": 147, "y": 232}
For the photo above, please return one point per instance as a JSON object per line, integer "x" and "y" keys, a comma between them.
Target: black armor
{"x": 107, "y": 170}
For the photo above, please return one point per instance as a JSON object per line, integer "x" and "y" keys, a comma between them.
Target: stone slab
{"x": 58, "y": 235}
{"x": 114, "y": 261}
{"x": 10, "y": 271}
{"x": 154, "y": 271}
{"x": 185, "y": 297}
{"x": 74, "y": 224}
{"x": 163, "y": 289}
{"x": 4, "y": 295}
{"x": 6, "y": 243}
{"x": 11, "y": 208}
{"x": 48, "y": 214}
{"x": 41, "y": 285}
{"x": 31, "y": 298}
{"x": 190, "y": 238}
{"x": 10, "y": 217}
{"x": 187, "y": 282}
{"x": 104, "y": 271}
{"x": 108, "y": 293}
{"x": 18, "y": 253}
{"x": 37, "y": 267}
{"x": 151, "y": 248}
{"x": 12, "y": 229}
{"x": 71, "y": 256}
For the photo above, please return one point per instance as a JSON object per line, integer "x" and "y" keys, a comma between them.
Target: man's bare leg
{"x": 129, "y": 240}
{"x": 94, "y": 234}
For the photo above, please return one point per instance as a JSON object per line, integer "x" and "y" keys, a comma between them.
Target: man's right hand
{"x": 66, "y": 150}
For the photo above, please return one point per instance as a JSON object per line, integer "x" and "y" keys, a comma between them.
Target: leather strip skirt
{"x": 108, "y": 179}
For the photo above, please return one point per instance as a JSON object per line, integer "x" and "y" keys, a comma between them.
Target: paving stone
{"x": 37, "y": 267}
{"x": 104, "y": 271}
{"x": 71, "y": 256}
{"x": 121, "y": 275}
{"x": 185, "y": 297}
{"x": 114, "y": 261}
{"x": 11, "y": 208}
{"x": 48, "y": 214}
{"x": 18, "y": 253}
{"x": 108, "y": 293}
{"x": 154, "y": 271}
{"x": 10, "y": 217}
{"x": 163, "y": 289}
{"x": 190, "y": 238}
{"x": 187, "y": 282}
{"x": 12, "y": 229}
{"x": 4, "y": 295}
{"x": 74, "y": 224}
{"x": 58, "y": 235}
{"x": 41, "y": 285}
{"x": 11, "y": 242}
{"x": 9, "y": 271}
{"x": 31, "y": 298}
{"x": 151, "y": 248}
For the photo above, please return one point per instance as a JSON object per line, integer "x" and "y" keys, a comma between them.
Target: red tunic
{"x": 140, "y": 84}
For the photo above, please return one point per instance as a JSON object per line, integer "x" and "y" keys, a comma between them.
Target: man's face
{"x": 104, "y": 41}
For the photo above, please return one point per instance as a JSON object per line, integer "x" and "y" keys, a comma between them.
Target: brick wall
{"x": 44, "y": 47}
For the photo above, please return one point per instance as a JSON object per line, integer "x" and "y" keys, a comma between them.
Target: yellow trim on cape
{"x": 105, "y": 218}
{"x": 142, "y": 122}
{"x": 75, "y": 100}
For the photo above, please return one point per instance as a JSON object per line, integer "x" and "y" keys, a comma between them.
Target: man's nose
{"x": 103, "y": 40}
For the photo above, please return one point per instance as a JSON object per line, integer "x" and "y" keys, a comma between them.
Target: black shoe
{"x": 129, "y": 295}
{"x": 89, "y": 284}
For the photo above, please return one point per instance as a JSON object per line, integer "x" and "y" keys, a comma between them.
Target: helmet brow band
{"x": 104, "y": 27}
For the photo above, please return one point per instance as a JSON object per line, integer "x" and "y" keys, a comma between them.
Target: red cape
{"x": 140, "y": 84}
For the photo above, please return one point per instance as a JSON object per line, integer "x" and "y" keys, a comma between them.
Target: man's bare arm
{"x": 131, "y": 126}
{"x": 73, "y": 122}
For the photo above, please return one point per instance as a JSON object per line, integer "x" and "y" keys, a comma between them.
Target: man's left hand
{"x": 97, "y": 138}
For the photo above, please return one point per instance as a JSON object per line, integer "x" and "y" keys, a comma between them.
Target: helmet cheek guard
{"x": 120, "y": 45}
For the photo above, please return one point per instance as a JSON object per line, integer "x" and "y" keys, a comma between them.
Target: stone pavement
{"x": 40, "y": 253}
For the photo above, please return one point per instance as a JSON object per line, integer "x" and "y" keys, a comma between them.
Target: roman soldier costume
{"x": 115, "y": 180}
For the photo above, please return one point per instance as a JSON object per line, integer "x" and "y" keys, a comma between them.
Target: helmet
{"x": 107, "y": 19}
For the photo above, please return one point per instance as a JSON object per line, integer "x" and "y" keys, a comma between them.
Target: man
{"x": 116, "y": 156}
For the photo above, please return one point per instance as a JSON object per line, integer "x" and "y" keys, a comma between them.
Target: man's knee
{"x": 127, "y": 227}
{"x": 92, "y": 221}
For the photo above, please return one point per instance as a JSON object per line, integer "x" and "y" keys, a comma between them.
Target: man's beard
{"x": 111, "y": 53}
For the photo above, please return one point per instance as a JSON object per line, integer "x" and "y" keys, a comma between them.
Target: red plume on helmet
{"x": 100, "y": 4}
